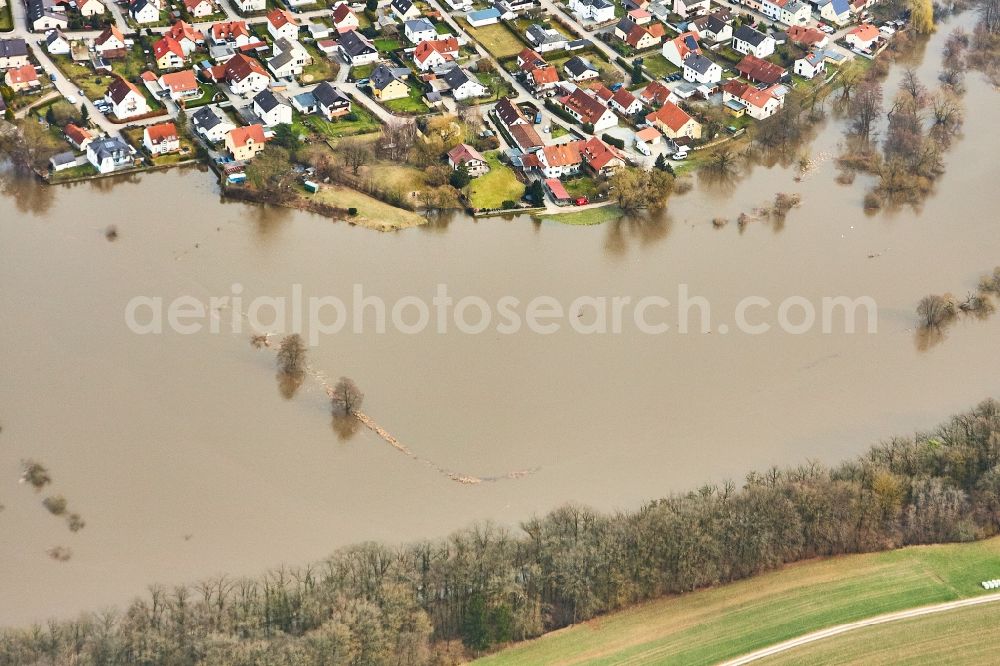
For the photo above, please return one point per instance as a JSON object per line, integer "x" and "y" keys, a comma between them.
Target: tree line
{"x": 439, "y": 601}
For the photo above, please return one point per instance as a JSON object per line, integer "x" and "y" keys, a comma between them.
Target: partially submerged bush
{"x": 935, "y": 311}
{"x": 56, "y": 504}
{"x": 35, "y": 473}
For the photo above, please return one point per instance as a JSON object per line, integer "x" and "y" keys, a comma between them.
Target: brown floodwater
{"x": 186, "y": 461}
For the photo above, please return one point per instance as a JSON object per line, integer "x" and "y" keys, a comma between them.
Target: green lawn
{"x": 962, "y": 636}
{"x": 73, "y": 173}
{"x": 6, "y": 19}
{"x": 208, "y": 91}
{"x": 93, "y": 85}
{"x": 580, "y": 187}
{"x": 362, "y": 71}
{"x": 498, "y": 39}
{"x": 658, "y": 66}
{"x": 363, "y": 123}
{"x": 712, "y": 625}
{"x": 492, "y": 189}
{"x": 321, "y": 69}
{"x": 371, "y": 212}
{"x": 387, "y": 44}
{"x": 412, "y": 103}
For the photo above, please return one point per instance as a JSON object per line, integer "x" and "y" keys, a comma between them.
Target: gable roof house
{"x": 168, "y": 53}
{"x": 185, "y": 34}
{"x": 78, "y": 136}
{"x": 747, "y": 40}
{"x": 110, "y": 153}
{"x": 388, "y": 83}
{"x": 656, "y": 94}
{"x": 543, "y": 79}
{"x": 89, "y": 8}
{"x": 419, "y": 29}
{"x": 525, "y": 137}
{"x": 638, "y": 36}
{"x": 199, "y": 8}
{"x": 21, "y": 78}
{"x": 14, "y": 52}
{"x": 759, "y": 103}
{"x": 599, "y": 157}
{"x": 699, "y": 69}
{"x": 282, "y": 24}
{"x": 467, "y": 156}
{"x": 356, "y": 49}
{"x": 344, "y": 18}
{"x": 625, "y": 103}
{"x": 288, "y": 59}
{"x": 144, "y": 11}
{"x": 580, "y": 69}
{"x": 837, "y": 12}
{"x": 714, "y": 27}
{"x": 528, "y": 59}
{"x": 42, "y": 16}
{"x": 545, "y": 39}
{"x": 233, "y": 33}
{"x": 182, "y": 85}
{"x": 433, "y": 53}
{"x": 596, "y": 11}
{"x": 463, "y": 85}
{"x": 509, "y": 114}
{"x": 587, "y": 108}
{"x": 111, "y": 43}
{"x": 243, "y": 143}
{"x": 211, "y": 124}
{"x": 680, "y": 47}
{"x": 686, "y": 8}
{"x": 559, "y": 160}
{"x": 811, "y": 65}
{"x": 56, "y": 43}
{"x": 125, "y": 99}
{"x": 863, "y": 37}
{"x": 331, "y": 102}
{"x": 405, "y": 9}
{"x": 251, "y": 6}
{"x": 271, "y": 109}
{"x": 674, "y": 122}
{"x": 161, "y": 139}
{"x": 760, "y": 71}
{"x": 242, "y": 74}
{"x": 807, "y": 38}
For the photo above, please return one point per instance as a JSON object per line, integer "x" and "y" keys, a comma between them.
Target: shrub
{"x": 352, "y": 211}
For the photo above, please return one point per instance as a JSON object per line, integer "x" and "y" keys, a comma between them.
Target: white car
{"x": 681, "y": 154}
{"x": 827, "y": 29}
{"x": 71, "y": 99}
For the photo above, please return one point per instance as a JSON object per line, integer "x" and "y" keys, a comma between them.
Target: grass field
{"x": 658, "y": 66}
{"x": 965, "y": 636}
{"x": 585, "y": 217}
{"x": 6, "y": 18}
{"x": 371, "y": 212}
{"x": 492, "y": 189}
{"x": 364, "y": 123}
{"x": 712, "y": 625}
{"x": 413, "y": 103}
{"x": 497, "y": 39}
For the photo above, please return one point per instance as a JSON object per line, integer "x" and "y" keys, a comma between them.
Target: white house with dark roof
{"x": 110, "y": 153}
{"x": 598, "y": 11}
{"x": 545, "y": 39}
{"x": 405, "y": 9}
{"x": 272, "y": 109}
{"x": 463, "y": 85}
{"x": 699, "y": 69}
{"x": 144, "y": 11}
{"x": 211, "y": 124}
{"x": 14, "y": 52}
{"x": 330, "y": 101}
{"x": 812, "y": 65}
{"x": 579, "y": 69}
{"x": 747, "y": 40}
{"x": 357, "y": 49}
{"x": 419, "y": 29}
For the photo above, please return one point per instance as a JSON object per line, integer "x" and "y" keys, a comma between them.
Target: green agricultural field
{"x": 492, "y": 189}
{"x": 712, "y": 625}
{"x": 962, "y": 636}
{"x": 498, "y": 39}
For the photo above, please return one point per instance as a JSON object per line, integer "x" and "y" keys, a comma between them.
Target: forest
{"x": 446, "y": 600}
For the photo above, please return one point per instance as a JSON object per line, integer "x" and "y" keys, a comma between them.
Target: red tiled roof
{"x": 242, "y": 135}
{"x": 463, "y": 153}
{"x": 757, "y": 69}
{"x": 544, "y": 75}
{"x": 800, "y": 34}
{"x": 192, "y": 4}
{"x": 587, "y": 106}
{"x": 525, "y": 136}
{"x": 865, "y": 32}
{"x": 182, "y": 81}
{"x": 162, "y": 132}
{"x": 341, "y": 12}
{"x": 598, "y": 154}
{"x": 230, "y": 30}
{"x": 165, "y": 45}
{"x": 563, "y": 154}
{"x": 670, "y": 115}
{"x": 623, "y": 98}
{"x": 23, "y": 74}
{"x": 279, "y": 17}
{"x": 655, "y": 93}
{"x": 77, "y": 134}
{"x": 446, "y": 47}
{"x": 240, "y": 67}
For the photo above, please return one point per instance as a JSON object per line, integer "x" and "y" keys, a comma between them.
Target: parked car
{"x": 52, "y": 77}
{"x": 71, "y": 99}
{"x": 581, "y": 201}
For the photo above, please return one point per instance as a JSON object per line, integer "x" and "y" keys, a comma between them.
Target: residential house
{"x": 483, "y": 17}
{"x": 640, "y": 16}
{"x": 467, "y": 156}
{"x": 687, "y": 8}
{"x": 161, "y": 139}
{"x": 110, "y": 43}
{"x": 56, "y": 43}
{"x": 357, "y": 49}
{"x": 528, "y": 59}
{"x": 251, "y": 6}
{"x": 674, "y": 122}
{"x": 599, "y": 157}
{"x": 579, "y": 69}
{"x": 545, "y": 39}
{"x": 389, "y": 83}
{"x": 747, "y": 40}
{"x": 543, "y": 79}
{"x": 185, "y": 34}
{"x": 639, "y": 37}
{"x": 43, "y": 15}
{"x": 419, "y": 29}
{"x": 713, "y": 27}
{"x": 837, "y": 12}
{"x": 514, "y": 6}
{"x": 460, "y": 5}
{"x": 125, "y": 99}
{"x": 144, "y": 12}
{"x": 656, "y": 94}
{"x": 344, "y": 18}
{"x": 272, "y": 109}
{"x": 699, "y": 69}
{"x": 288, "y": 59}
{"x": 79, "y": 137}
{"x": 863, "y": 37}
{"x": 405, "y": 9}
{"x": 760, "y": 71}
{"x": 789, "y": 12}
{"x": 168, "y": 53}
{"x": 88, "y": 8}
{"x": 559, "y": 160}
{"x": 281, "y": 24}
{"x": 679, "y": 48}
{"x": 463, "y": 85}
{"x": 211, "y": 124}
{"x": 182, "y": 85}
{"x": 14, "y": 52}
{"x": 243, "y": 143}
{"x": 232, "y": 33}
{"x": 597, "y": 11}
{"x": 807, "y": 38}
{"x": 62, "y": 161}
{"x": 525, "y": 138}
{"x": 110, "y": 153}
{"x": 22, "y": 78}
{"x": 587, "y": 108}
{"x": 434, "y": 53}
{"x": 625, "y": 103}
{"x": 305, "y": 103}
{"x": 199, "y": 8}
{"x": 811, "y": 65}
{"x": 331, "y": 102}
{"x": 242, "y": 74}
{"x": 509, "y": 114}
{"x": 760, "y": 103}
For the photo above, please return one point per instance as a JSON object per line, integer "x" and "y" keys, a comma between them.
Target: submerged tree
{"x": 347, "y": 397}
{"x": 292, "y": 356}
{"x": 35, "y": 474}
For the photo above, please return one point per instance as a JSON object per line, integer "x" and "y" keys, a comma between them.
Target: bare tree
{"x": 355, "y": 154}
{"x": 292, "y": 356}
{"x": 866, "y": 107}
{"x": 347, "y": 397}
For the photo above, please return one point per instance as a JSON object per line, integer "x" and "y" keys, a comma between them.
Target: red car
{"x": 582, "y": 201}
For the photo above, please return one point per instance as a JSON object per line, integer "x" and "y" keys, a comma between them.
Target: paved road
{"x": 861, "y": 624}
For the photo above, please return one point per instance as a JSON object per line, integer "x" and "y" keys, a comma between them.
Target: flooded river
{"x": 185, "y": 460}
